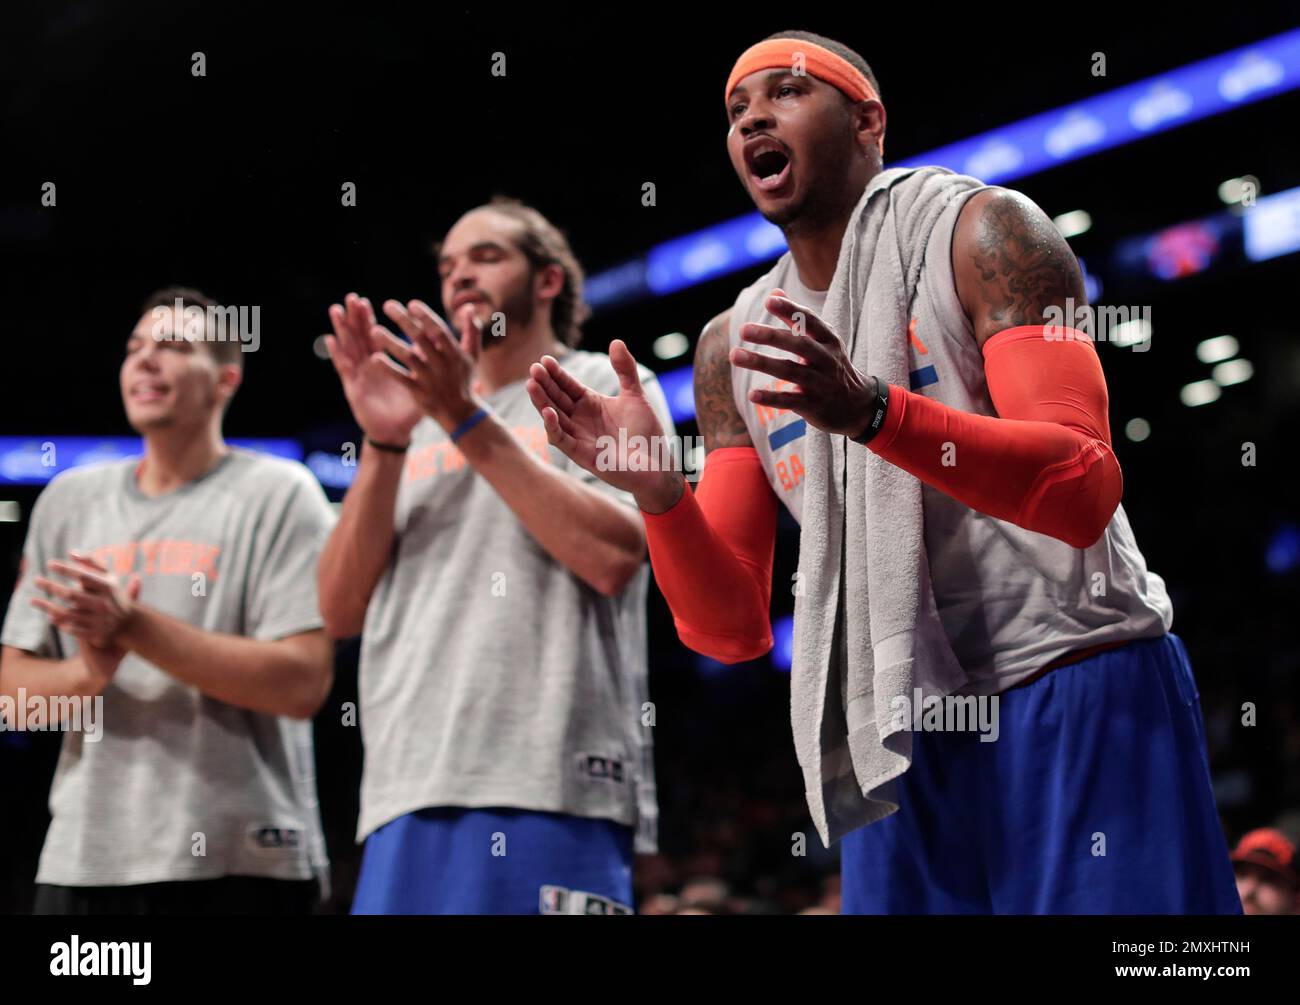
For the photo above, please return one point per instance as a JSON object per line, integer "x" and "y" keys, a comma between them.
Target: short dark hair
{"x": 543, "y": 244}
{"x": 839, "y": 48}
{"x": 226, "y": 351}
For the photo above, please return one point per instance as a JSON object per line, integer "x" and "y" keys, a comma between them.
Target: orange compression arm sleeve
{"x": 712, "y": 557}
{"x": 1044, "y": 463}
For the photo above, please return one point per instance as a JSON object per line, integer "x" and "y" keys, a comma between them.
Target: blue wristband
{"x": 468, "y": 424}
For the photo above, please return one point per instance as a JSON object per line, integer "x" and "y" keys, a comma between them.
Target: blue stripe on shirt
{"x": 780, "y": 437}
{"x": 923, "y": 377}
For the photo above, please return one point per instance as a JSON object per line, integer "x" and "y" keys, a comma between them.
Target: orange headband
{"x": 817, "y": 62}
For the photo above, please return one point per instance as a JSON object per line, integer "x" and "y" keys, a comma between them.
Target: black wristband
{"x": 879, "y": 406}
{"x": 387, "y": 447}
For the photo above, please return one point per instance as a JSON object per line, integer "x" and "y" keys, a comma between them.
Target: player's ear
{"x": 548, "y": 282}
{"x": 229, "y": 379}
{"x": 869, "y": 124}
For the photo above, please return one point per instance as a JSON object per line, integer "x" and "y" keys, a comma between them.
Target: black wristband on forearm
{"x": 388, "y": 447}
{"x": 879, "y": 406}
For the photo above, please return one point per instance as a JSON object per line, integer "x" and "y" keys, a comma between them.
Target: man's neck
{"x": 815, "y": 253}
{"x": 508, "y": 362}
{"x": 176, "y": 457}
{"x": 815, "y": 244}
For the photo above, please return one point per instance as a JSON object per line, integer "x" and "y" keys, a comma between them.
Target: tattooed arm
{"x": 712, "y": 549}
{"x": 715, "y": 407}
{"x": 715, "y": 411}
{"x": 1044, "y": 462}
{"x": 1011, "y": 264}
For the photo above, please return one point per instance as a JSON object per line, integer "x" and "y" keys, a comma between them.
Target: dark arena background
{"x": 1172, "y": 166}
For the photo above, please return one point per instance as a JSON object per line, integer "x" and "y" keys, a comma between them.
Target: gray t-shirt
{"x": 179, "y": 785}
{"x": 490, "y": 674}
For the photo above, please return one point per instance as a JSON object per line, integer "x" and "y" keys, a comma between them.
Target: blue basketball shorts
{"x": 1094, "y": 799}
{"x": 452, "y": 860}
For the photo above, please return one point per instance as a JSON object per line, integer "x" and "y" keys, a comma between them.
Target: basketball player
{"x": 500, "y": 594}
{"x": 1095, "y": 797}
{"x": 178, "y": 594}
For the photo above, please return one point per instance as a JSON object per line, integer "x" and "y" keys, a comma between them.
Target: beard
{"x": 783, "y": 217}
{"x": 821, "y": 203}
{"x": 518, "y": 308}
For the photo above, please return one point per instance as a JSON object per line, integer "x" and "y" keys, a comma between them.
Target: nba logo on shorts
{"x": 554, "y": 900}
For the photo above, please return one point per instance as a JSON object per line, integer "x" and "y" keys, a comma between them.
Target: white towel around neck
{"x": 867, "y": 631}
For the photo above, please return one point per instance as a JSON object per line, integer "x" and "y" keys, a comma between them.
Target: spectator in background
{"x": 1264, "y": 861}
{"x": 704, "y": 894}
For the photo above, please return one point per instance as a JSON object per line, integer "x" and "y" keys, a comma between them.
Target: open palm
{"x": 381, "y": 404}
{"x": 617, "y": 438}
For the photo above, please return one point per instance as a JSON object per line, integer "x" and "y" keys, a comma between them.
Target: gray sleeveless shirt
{"x": 1011, "y": 600}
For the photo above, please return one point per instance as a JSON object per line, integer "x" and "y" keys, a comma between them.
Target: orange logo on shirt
{"x": 160, "y": 558}
{"x": 911, "y": 335}
{"x": 444, "y": 457}
{"x": 766, "y": 413}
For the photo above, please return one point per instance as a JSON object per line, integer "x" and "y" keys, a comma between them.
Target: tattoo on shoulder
{"x": 1023, "y": 262}
{"x": 715, "y": 408}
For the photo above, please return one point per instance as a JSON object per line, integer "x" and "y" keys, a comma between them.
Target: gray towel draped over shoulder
{"x": 867, "y": 630}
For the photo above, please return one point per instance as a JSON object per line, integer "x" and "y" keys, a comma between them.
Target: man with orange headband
{"x": 897, "y": 381}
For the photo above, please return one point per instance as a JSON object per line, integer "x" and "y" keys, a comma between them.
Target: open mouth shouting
{"x": 768, "y": 163}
